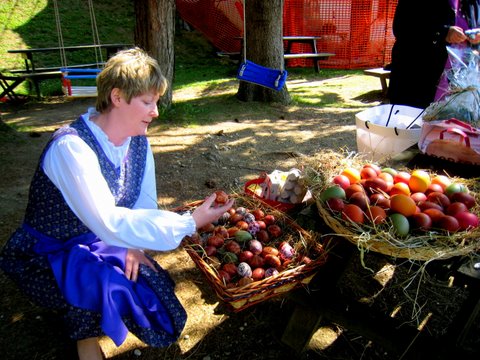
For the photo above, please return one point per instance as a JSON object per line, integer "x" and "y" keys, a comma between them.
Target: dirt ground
{"x": 191, "y": 162}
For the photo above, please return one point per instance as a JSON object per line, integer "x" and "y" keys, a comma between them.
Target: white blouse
{"x": 74, "y": 168}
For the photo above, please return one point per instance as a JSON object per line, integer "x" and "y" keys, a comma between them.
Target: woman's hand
{"x": 133, "y": 260}
{"x": 206, "y": 213}
{"x": 455, "y": 35}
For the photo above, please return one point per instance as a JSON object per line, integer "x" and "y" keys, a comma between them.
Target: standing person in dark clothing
{"x": 467, "y": 16}
{"x": 422, "y": 30}
{"x": 419, "y": 53}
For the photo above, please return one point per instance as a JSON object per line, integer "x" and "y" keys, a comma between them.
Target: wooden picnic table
{"x": 289, "y": 41}
{"x": 29, "y": 55}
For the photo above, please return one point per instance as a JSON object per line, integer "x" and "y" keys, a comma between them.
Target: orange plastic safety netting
{"x": 358, "y": 32}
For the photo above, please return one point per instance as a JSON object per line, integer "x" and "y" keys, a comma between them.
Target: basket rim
{"x": 422, "y": 253}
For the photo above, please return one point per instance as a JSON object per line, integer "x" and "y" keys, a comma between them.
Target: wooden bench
{"x": 9, "y": 83}
{"x": 314, "y": 56}
{"x": 382, "y": 74}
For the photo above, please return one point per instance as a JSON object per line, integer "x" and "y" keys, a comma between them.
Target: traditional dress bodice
{"x": 47, "y": 211}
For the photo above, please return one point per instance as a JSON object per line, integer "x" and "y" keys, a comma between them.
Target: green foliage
{"x": 208, "y": 80}
{"x": 31, "y": 24}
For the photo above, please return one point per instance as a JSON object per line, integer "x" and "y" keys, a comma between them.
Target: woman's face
{"x": 140, "y": 112}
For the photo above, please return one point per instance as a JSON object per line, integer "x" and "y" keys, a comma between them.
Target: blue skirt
{"x": 83, "y": 278}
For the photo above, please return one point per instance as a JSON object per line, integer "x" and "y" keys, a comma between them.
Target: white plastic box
{"x": 387, "y": 130}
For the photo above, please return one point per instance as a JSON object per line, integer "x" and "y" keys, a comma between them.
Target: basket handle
{"x": 454, "y": 121}
{"x": 459, "y": 132}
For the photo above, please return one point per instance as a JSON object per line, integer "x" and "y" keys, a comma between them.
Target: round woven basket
{"x": 298, "y": 273}
{"x": 424, "y": 248}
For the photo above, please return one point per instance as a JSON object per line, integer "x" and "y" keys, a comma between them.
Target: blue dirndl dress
{"x": 60, "y": 264}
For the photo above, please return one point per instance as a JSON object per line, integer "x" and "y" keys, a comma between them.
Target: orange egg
{"x": 401, "y": 176}
{"x": 368, "y": 172}
{"x": 400, "y": 188}
{"x": 352, "y": 174}
{"x": 376, "y": 214}
{"x": 403, "y": 204}
{"x": 419, "y": 181}
{"x": 375, "y": 167}
{"x": 353, "y": 213}
{"x": 434, "y": 214}
{"x": 350, "y": 190}
{"x": 441, "y": 180}
{"x": 386, "y": 176}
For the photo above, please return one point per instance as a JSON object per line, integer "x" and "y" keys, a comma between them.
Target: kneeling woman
{"x": 92, "y": 208}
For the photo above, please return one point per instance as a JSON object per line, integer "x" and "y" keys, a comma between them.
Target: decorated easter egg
{"x": 244, "y": 270}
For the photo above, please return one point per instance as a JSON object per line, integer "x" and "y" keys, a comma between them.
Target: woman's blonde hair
{"x": 133, "y": 72}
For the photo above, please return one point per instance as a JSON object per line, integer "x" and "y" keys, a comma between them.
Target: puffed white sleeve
{"x": 74, "y": 168}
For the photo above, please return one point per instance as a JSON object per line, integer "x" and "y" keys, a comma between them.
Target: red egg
{"x": 269, "y": 219}
{"x": 350, "y": 190}
{"x": 434, "y": 188}
{"x": 259, "y": 214}
{"x": 256, "y": 261}
{"x": 230, "y": 268}
{"x": 274, "y": 230}
{"x": 380, "y": 200}
{"x": 245, "y": 256}
{"x": 375, "y": 167}
{"x": 434, "y": 214}
{"x": 421, "y": 221}
{"x": 376, "y": 214}
{"x": 225, "y": 276}
{"x": 448, "y": 223}
{"x": 263, "y": 236}
{"x": 456, "y": 207}
{"x": 367, "y": 173}
{"x": 360, "y": 199}
{"x": 342, "y": 181}
{"x": 335, "y": 204}
{"x": 467, "y": 220}
{"x": 258, "y": 273}
{"x": 401, "y": 176}
{"x": 424, "y": 205}
{"x": 354, "y": 213}
{"x": 439, "y": 198}
{"x": 376, "y": 184}
{"x": 418, "y": 196}
{"x": 463, "y": 197}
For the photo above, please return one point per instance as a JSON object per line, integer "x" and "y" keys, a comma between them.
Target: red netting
{"x": 358, "y": 32}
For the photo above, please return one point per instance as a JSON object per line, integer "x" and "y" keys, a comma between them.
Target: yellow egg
{"x": 352, "y": 174}
{"x": 419, "y": 181}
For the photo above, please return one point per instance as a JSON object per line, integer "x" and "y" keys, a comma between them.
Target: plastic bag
{"x": 451, "y": 140}
{"x": 462, "y": 100}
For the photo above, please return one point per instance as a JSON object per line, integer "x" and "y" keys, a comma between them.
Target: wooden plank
{"x": 382, "y": 74}
{"x": 314, "y": 56}
{"x": 308, "y": 55}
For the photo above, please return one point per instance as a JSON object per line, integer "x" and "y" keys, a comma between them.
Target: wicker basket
{"x": 297, "y": 274}
{"x": 428, "y": 247}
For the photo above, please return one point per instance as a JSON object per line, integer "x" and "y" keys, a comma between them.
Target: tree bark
{"x": 263, "y": 36}
{"x": 155, "y": 33}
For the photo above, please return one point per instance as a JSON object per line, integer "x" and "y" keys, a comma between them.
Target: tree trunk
{"x": 155, "y": 33}
{"x": 263, "y": 36}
